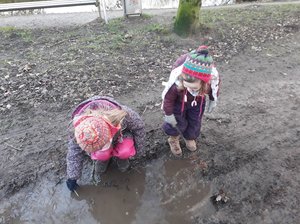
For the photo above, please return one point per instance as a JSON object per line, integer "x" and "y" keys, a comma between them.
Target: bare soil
{"x": 249, "y": 146}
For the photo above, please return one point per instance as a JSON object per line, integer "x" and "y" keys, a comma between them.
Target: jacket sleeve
{"x": 170, "y": 99}
{"x": 136, "y": 126}
{"x": 75, "y": 158}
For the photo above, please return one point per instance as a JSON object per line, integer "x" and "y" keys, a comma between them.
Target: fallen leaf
{"x": 27, "y": 68}
{"x": 219, "y": 198}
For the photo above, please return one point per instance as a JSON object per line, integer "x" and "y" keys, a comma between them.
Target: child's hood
{"x": 175, "y": 73}
{"x": 92, "y": 99}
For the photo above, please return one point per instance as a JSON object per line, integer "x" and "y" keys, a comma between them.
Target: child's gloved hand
{"x": 72, "y": 185}
{"x": 171, "y": 120}
{"x": 211, "y": 105}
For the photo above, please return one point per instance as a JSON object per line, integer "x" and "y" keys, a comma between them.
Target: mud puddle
{"x": 164, "y": 191}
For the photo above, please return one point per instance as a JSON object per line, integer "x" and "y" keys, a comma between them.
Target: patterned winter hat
{"x": 93, "y": 132}
{"x": 202, "y": 48}
{"x": 198, "y": 64}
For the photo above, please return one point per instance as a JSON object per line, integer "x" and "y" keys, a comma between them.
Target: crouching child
{"x": 103, "y": 129}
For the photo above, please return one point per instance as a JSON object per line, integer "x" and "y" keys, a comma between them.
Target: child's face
{"x": 194, "y": 86}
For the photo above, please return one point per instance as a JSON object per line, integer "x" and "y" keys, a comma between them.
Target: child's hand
{"x": 72, "y": 185}
{"x": 211, "y": 105}
{"x": 170, "y": 119}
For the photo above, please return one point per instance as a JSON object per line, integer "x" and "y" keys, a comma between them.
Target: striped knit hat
{"x": 92, "y": 133}
{"x": 198, "y": 64}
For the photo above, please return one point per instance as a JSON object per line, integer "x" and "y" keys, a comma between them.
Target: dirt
{"x": 249, "y": 146}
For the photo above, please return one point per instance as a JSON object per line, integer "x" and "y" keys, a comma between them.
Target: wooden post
{"x": 124, "y": 7}
{"x": 99, "y": 8}
{"x": 104, "y": 11}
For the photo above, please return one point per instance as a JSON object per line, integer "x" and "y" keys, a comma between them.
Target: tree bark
{"x": 187, "y": 18}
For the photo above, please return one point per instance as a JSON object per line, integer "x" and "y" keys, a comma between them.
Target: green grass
{"x": 9, "y": 31}
{"x": 147, "y": 16}
{"x": 255, "y": 16}
{"x": 157, "y": 28}
{"x": 115, "y": 25}
{"x": 96, "y": 39}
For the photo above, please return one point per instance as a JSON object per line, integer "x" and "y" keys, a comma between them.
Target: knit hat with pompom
{"x": 198, "y": 64}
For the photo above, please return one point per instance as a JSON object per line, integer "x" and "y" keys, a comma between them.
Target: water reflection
{"x": 166, "y": 191}
{"x": 117, "y": 197}
{"x": 172, "y": 194}
{"x": 183, "y": 194}
{"x": 115, "y": 201}
{"x": 48, "y": 205}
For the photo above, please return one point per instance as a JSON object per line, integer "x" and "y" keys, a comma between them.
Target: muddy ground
{"x": 249, "y": 146}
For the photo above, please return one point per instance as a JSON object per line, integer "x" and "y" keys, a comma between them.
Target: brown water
{"x": 162, "y": 192}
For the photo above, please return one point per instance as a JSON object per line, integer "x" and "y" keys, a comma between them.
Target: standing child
{"x": 193, "y": 76}
{"x": 103, "y": 128}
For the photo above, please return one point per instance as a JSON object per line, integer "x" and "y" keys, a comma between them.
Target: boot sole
{"x": 192, "y": 150}
{"x": 175, "y": 154}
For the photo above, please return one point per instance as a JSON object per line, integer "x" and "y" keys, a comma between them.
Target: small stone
{"x": 44, "y": 91}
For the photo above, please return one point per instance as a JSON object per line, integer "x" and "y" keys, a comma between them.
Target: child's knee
{"x": 125, "y": 149}
{"x": 101, "y": 155}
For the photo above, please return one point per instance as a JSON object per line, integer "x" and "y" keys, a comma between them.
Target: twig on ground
{"x": 145, "y": 109}
{"x": 18, "y": 149}
{"x": 153, "y": 129}
{"x": 76, "y": 193}
{"x": 58, "y": 43}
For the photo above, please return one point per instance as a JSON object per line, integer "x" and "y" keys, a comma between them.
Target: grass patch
{"x": 98, "y": 39}
{"x": 249, "y": 16}
{"x": 115, "y": 25}
{"x": 7, "y": 29}
{"x": 146, "y": 16}
{"x": 26, "y": 35}
{"x": 12, "y": 32}
{"x": 117, "y": 42}
{"x": 157, "y": 28}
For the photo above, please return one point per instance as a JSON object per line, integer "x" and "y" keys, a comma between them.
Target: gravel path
{"x": 80, "y": 18}
{"x": 64, "y": 19}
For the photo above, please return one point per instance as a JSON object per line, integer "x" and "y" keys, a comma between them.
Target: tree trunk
{"x": 187, "y": 19}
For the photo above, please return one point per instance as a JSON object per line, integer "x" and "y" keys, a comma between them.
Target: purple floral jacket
{"x": 132, "y": 123}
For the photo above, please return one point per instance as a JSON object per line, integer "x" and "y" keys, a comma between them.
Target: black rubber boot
{"x": 101, "y": 166}
{"x": 123, "y": 164}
